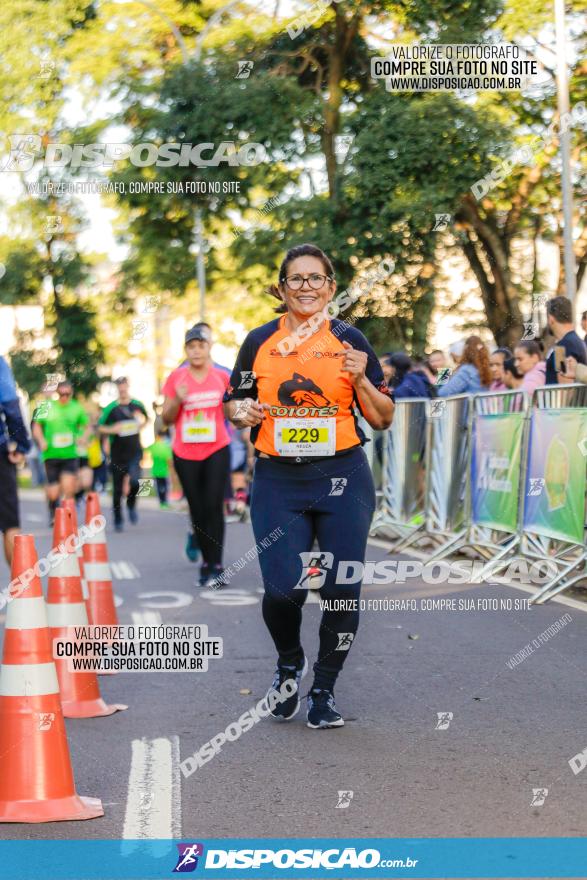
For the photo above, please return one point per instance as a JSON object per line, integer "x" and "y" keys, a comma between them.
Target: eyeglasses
{"x": 315, "y": 281}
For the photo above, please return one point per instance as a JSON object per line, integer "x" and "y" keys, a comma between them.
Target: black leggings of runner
{"x": 119, "y": 470}
{"x": 203, "y": 485}
{"x": 333, "y": 501}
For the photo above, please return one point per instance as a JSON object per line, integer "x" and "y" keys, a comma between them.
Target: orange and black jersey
{"x": 311, "y": 399}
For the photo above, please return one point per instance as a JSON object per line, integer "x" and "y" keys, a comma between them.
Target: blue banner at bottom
{"x": 551, "y": 857}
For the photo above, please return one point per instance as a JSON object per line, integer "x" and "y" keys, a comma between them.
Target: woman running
{"x": 296, "y": 382}
{"x": 201, "y": 456}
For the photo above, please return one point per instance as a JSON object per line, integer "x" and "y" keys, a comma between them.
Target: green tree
{"x": 46, "y": 268}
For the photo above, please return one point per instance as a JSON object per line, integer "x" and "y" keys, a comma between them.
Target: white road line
{"x": 153, "y": 805}
{"x": 146, "y": 618}
{"x": 124, "y": 571}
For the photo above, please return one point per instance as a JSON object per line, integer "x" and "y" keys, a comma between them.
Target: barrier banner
{"x": 495, "y": 470}
{"x": 555, "y": 479}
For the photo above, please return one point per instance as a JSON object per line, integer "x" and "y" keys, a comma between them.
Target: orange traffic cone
{"x": 36, "y": 781}
{"x": 80, "y": 694}
{"x": 97, "y": 570}
{"x": 69, "y": 504}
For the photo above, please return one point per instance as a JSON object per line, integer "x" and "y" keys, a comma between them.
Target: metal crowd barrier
{"x": 460, "y": 474}
{"x": 539, "y": 539}
{"x": 401, "y": 508}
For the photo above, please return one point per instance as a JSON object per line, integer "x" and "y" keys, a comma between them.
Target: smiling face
{"x": 306, "y": 301}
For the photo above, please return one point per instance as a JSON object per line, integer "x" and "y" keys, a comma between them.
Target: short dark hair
{"x": 510, "y": 367}
{"x": 65, "y": 383}
{"x": 561, "y": 309}
{"x": 583, "y": 315}
{"x": 530, "y": 346}
{"x": 504, "y": 351}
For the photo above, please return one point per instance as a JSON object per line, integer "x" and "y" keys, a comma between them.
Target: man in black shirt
{"x": 559, "y": 313}
{"x": 122, "y": 420}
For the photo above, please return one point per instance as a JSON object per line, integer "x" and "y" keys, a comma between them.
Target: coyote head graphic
{"x": 299, "y": 391}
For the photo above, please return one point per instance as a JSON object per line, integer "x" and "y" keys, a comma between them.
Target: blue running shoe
{"x": 192, "y": 551}
{"x": 286, "y": 709}
{"x": 322, "y": 711}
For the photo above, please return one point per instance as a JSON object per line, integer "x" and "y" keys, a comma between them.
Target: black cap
{"x": 199, "y": 332}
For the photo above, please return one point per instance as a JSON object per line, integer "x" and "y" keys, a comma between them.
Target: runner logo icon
{"x": 344, "y": 799}
{"x": 338, "y": 484}
{"x": 444, "y": 719}
{"x": 314, "y": 568}
{"x": 539, "y": 795}
{"x": 188, "y": 857}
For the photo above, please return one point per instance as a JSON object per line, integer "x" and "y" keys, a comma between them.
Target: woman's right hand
{"x": 181, "y": 392}
{"x": 247, "y": 413}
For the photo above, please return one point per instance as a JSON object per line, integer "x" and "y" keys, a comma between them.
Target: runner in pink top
{"x": 200, "y": 429}
{"x": 201, "y": 454}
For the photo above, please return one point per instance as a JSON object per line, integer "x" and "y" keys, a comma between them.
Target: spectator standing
{"x": 414, "y": 382}
{"x": 437, "y": 361}
{"x": 386, "y": 367}
{"x": 559, "y": 314}
{"x": 496, "y": 362}
{"x": 511, "y": 377}
{"x": 473, "y": 374}
{"x": 528, "y": 361}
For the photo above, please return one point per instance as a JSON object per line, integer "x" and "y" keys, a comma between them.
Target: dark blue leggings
{"x": 307, "y": 502}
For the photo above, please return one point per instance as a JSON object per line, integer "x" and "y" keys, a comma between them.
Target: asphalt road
{"x": 512, "y": 730}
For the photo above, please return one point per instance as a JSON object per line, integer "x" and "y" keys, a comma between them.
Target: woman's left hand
{"x": 354, "y": 363}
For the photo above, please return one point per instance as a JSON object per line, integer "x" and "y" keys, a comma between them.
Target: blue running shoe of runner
{"x": 322, "y": 711}
{"x": 286, "y": 709}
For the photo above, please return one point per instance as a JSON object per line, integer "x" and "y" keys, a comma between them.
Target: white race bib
{"x": 305, "y": 436}
{"x": 200, "y": 430}
{"x": 128, "y": 428}
{"x": 61, "y": 441}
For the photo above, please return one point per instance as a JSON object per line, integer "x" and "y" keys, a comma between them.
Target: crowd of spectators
{"x": 556, "y": 356}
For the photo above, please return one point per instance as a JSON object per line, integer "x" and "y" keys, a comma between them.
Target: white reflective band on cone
{"x": 67, "y": 566}
{"x": 67, "y": 614}
{"x": 28, "y": 680}
{"x": 97, "y": 571}
{"x": 85, "y": 591}
{"x": 98, "y": 538}
{"x": 26, "y": 614}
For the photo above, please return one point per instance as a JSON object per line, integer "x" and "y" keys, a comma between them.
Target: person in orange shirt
{"x": 297, "y": 383}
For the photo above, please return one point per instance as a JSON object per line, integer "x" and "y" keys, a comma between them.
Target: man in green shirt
{"x": 58, "y": 426}
{"x": 122, "y": 420}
